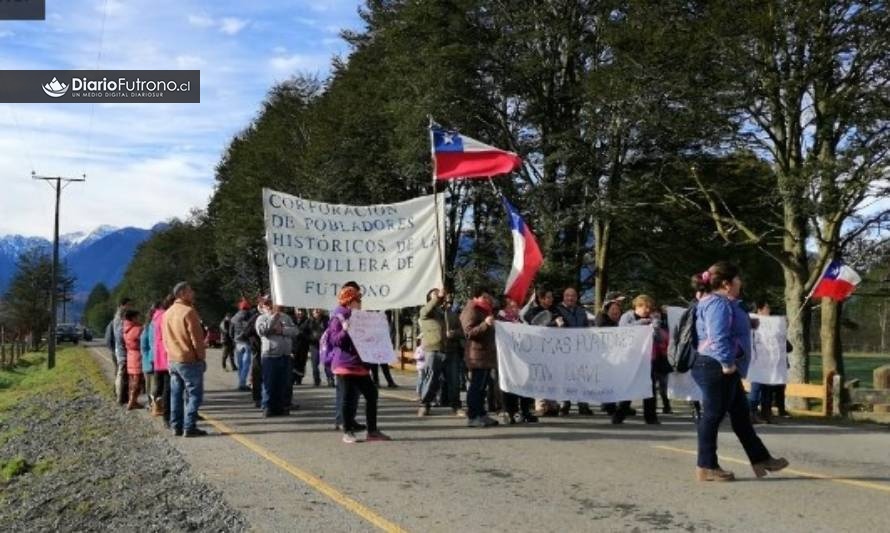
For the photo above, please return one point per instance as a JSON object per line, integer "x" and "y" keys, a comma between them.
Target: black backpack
{"x": 684, "y": 342}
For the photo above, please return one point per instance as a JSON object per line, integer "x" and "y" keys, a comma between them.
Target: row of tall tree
{"x": 658, "y": 137}
{"x": 25, "y": 308}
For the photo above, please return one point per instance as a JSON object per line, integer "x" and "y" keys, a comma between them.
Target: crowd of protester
{"x": 268, "y": 347}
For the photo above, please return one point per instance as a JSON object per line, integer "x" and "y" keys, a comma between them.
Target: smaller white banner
{"x": 577, "y": 364}
{"x": 680, "y": 386}
{"x": 369, "y": 332}
{"x": 769, "y": 357}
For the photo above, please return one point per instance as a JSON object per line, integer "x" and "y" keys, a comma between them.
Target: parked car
{"x": 67, "y": 333}
{"x": 212, "y": 337}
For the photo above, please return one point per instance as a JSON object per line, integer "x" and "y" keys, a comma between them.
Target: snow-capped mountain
{"x": 71, "y": 242}
{"x": 101, "y": 255}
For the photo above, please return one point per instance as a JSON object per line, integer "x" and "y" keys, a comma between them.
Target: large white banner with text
{"x": 388, "y": 249}
{"x": 577, "y": 364}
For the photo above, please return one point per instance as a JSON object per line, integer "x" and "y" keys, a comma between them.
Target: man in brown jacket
{"x": 184, "y": 341}
{"x": 477, "y": 321}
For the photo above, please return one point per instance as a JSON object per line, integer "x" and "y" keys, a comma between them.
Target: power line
{"x": 98, "y": 62}
{"x": 21, "y": 136}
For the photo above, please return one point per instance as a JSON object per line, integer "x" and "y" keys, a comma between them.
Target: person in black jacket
{"x": 318, "y": 322}
{"x": 301, "y": 344}
{"x": 239, "y": 333}
{"x": 228, "y": 344}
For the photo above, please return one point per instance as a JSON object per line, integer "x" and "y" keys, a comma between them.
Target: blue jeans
{"x": 479, "y": 378}
{"x": 276, "y": 377}
{"x": 242, "y": 358}
{"x": 188, "y": 379}
{"x": 761, "y": 396}
{"x": 432, "y": 376}
{"x": 722, "y": 394}
{"x": 315, "y": 361}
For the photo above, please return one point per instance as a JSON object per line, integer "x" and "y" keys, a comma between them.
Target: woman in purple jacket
{"x": 724, "y": 335}
{"x": 352, "y": 375}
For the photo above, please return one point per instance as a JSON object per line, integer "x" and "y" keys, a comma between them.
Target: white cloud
{"x": 146, "y": 162}
{"x": 186, "y": 62}
{"x": 232, "y": 25}
{"x": 227, "y": 25}
{"x": 286, "y": 65}
{"x": 6, "y": 33}
{"x": 201, "y": 21}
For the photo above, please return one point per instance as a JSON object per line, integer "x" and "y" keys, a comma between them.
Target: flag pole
{"x": 439, "y": 240}
{"x": 813, "y": 288}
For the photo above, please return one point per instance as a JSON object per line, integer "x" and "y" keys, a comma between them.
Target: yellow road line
{"x": 310, "y": 479}
{"x": 392, "y": 396}
{"x": 802, "y": 473}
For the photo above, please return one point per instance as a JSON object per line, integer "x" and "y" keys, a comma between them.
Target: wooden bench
{"x": 811, "y": 391}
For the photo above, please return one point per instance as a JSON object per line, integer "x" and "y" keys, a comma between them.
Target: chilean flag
{"x": 527, "y": 258}
{"x": 838, "y": 282}
{"x": 459, "y": 156}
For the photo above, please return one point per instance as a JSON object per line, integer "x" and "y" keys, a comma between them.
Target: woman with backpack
{"x": 723, "y": 329}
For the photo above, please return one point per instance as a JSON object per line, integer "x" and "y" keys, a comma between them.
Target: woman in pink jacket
{"x": 132, "y": 330}
{"x": 162, "y": 370}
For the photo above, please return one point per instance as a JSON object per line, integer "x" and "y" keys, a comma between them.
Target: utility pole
{"x": 57, "y": 183}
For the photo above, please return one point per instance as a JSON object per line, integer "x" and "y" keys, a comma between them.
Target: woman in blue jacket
{"x": 724, "y": 346}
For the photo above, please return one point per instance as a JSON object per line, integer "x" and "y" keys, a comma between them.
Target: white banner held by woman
{"x": 575, "y": 364}
{"x": 369, "y": 332}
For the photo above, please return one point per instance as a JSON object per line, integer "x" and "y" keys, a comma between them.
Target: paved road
{"x": 574, "y": 474}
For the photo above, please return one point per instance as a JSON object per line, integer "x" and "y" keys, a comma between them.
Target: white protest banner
{"x": 769, "y": 357}
{"x": 680, "y": 386}
{"x": 388, "y": 249}
{"x": 575, "y": 364}
{"x": 369, "y": 332}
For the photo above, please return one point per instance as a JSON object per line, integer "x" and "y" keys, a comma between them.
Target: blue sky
{"x": 148, "y": 162}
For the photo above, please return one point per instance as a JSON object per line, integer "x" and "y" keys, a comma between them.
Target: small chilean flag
{"x": 527, "y": 258}
{"x": 838, "y": 282}
{"x": 459, "y": 156}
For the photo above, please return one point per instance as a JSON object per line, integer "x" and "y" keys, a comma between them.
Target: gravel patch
{"x": 92, "y": 466}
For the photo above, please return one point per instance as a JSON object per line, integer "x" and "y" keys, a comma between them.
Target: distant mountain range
{"x": 100, "y": 256}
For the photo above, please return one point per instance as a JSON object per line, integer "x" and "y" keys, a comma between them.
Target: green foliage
{"x": 31, "y": 378}
{"x": 99, "y": 308}
{"x": 14, "y": 467}
{"x": 609, "y": 102}
{"x": 182, "y": 252}
{"x": 28, "y": 298}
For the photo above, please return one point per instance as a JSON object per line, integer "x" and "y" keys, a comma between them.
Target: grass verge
{"x": 31, "y": 377}
{"x": 855, "y": 367}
